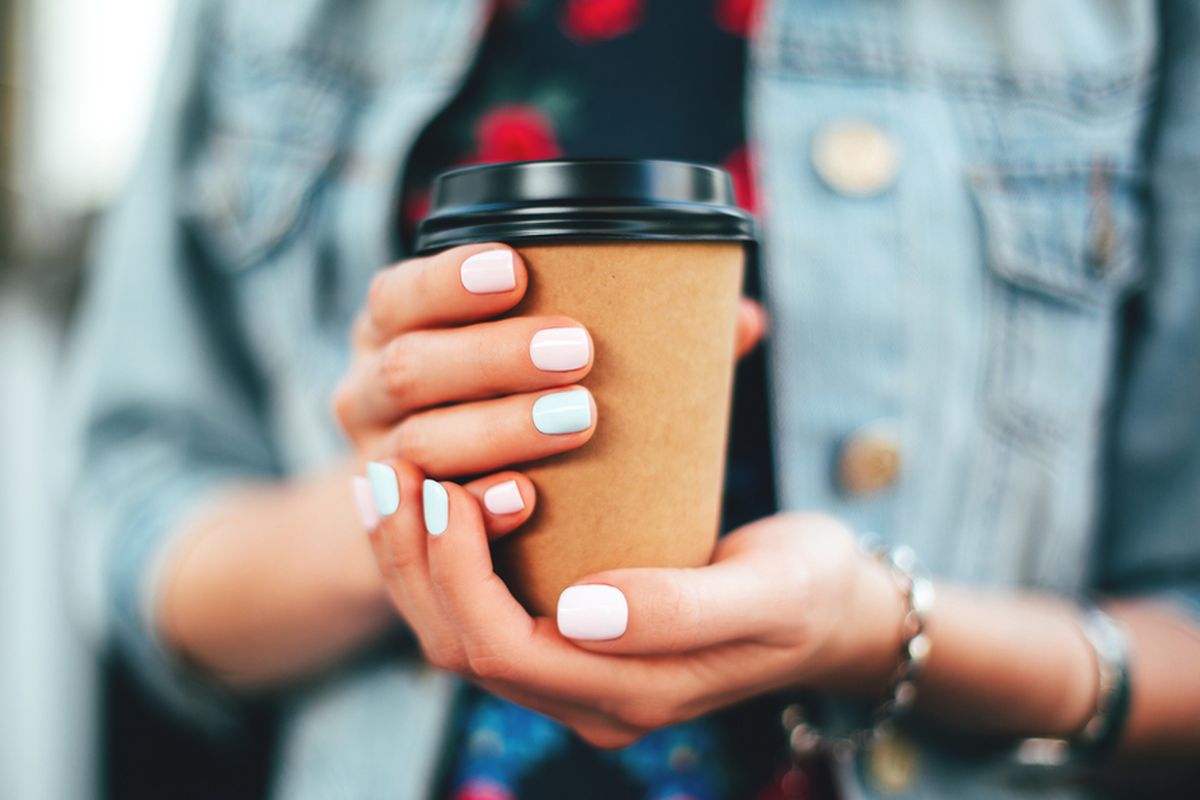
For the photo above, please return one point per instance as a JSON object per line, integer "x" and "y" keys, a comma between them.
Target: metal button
{"x": 855, "y": 158}
{"x": 869, "y": 460}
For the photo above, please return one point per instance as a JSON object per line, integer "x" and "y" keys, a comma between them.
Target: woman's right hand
{"x": 437, "y": 381}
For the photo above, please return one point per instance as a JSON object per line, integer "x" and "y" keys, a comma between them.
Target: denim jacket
{"x": 1015, "y": 302}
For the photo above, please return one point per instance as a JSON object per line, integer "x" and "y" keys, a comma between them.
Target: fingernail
{"x": 559, "y": 349}
{"x": 503, "y": 498}
{"x": 384, "y": 488}
{"x": 592, "y": 612}
{"x": 364, "y": 501}
{"x": 489, "y": 272}
{"x": 437, "y": 507}
{"x": 563, "y": 412}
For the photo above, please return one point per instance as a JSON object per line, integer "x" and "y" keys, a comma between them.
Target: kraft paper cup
{"x": 659, "y": 296}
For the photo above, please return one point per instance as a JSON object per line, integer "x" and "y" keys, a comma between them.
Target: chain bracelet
{"x": 804, "y": 739}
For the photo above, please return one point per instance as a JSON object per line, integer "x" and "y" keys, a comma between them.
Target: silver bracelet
{"x": 804, "y": 739}
{"x": 1101, "y": 733}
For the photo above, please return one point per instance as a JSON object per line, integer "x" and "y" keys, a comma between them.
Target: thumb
{"x": 650, "y": 611}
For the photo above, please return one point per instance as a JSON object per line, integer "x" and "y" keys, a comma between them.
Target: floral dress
{"x": 619, "y": 79}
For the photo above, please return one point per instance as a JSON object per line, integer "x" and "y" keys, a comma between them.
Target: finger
{"x": 398, "y": 539}
{"x": 751, "y": 325}
{"x": 477, "y": 604}
{"x": 432, "y": 367}
{"x": 507, "y": 500}
{"x": 659, "y": 611}
{"x": 463, "y": 284}
{"x": 475, "y": 438}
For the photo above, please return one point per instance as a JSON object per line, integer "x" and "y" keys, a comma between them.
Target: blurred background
{"x": 77, "y": 79}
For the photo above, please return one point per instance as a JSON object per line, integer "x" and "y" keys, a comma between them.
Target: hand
{"x": 435, "y": 380}
{"x": 787, "y": 601}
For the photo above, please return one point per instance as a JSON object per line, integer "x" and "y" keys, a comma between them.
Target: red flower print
{"x": 737, "y": 16}
{"x": 597, "y": 20}
{"x": 514, "y": 133}
{"x": 739, "y": 165}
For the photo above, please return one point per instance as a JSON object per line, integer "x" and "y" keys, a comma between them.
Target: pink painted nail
{"x": 560, "y": 349}
{"x": 592, "y": 612}
{"x": 489, "y": 272}
{"x": 364, "y": 501}
{"x": 504, "y": 498}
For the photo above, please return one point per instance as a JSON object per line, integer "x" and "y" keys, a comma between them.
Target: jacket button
{"x": 869, "y": 460}
{"x": 854, "y": 158}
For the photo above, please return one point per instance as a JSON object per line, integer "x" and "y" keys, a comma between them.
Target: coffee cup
{"x": 649, "y": 257}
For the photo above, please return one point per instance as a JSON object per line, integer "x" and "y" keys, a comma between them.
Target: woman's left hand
{"x": 787, "y": 601}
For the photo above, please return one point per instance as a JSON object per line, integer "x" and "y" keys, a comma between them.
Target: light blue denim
{"x": 1022, "y": 307}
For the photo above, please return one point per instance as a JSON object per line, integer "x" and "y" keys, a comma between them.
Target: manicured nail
{"x": 559, "y": 349}
{"x": 489, "y": 272}
{"x": 563, "y": 412}
{"x": 503, "y": 498}
{"x": 592, "y": 612}
{"x": 364, "y": 501}
{"x": 437, "y": 507}
{"x": 384, "y": 488}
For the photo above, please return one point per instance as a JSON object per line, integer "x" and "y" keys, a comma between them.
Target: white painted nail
{"x": 364, "y": 502}
{"x": 592, "y": 612}
{"x": 560, "y": 349}
{"x": 504, "y": 498}
{"x": 489, "y": 272}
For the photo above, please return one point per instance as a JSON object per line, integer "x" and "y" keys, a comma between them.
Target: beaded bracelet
{"x": 804, "y": 739}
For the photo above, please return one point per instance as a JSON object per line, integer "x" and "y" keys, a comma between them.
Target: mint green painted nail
{"x": 384, "y": 488}
{"x": 437, "y": 507}
{"x": 563, "y": 412}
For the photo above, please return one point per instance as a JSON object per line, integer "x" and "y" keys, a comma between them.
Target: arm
{"x": 275, "y": 580}
{"x": 177, "y": 497}
{"x": 1020, "y": 665}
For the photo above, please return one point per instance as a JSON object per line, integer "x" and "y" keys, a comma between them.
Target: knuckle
{"x": 448, "y": 660}
{"x": 361, "y": 330}
{"x": 377, "y": 293}
{"x": 424, "y": 276}
{"x": 489, "y": 665}
{"x": 490, "y": 355}
{"x": 682, "y": 618}
{"x": 403, "y": 555}
{"x": 343, "y": 403}
{"x": 398, "y": 368}
{"x": 410, "y": 442}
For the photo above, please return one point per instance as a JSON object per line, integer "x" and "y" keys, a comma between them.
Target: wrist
{"x": 865, "y": 650}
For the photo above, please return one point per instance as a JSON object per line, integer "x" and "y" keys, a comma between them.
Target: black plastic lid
{"x": 583, "y": 200}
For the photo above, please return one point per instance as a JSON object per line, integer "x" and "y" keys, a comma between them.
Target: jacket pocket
{"x": 270, "y": 130}
{"x": 1063, "y": 245}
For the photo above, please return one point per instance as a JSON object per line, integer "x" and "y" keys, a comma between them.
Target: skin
{"x": 273, "y": 582}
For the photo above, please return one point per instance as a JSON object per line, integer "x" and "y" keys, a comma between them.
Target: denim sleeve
{"x": 1152, "y": 540}
{"x": 162, "y": 403}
